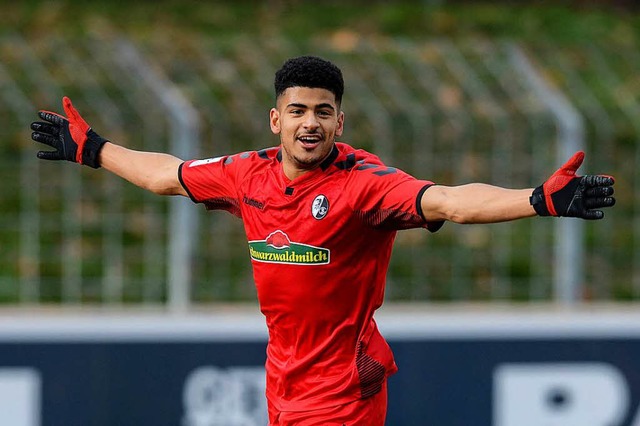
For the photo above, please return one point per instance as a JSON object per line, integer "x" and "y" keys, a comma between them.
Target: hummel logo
{"x": 253, "y": 203}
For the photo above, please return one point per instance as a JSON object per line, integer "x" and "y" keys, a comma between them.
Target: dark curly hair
{"x": 310, "y": 71}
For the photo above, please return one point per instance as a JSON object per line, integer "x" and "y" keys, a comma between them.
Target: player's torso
{"x": 302, "y": 238}
{"x": 315, "y": 267}
{"x": 319, "y": 270}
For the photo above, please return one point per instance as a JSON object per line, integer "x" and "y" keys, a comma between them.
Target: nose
{"x": 311, "y": 121}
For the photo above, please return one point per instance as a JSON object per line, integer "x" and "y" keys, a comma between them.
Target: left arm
{"x": 563, "y": 194}
{"x": 475, "y": 203}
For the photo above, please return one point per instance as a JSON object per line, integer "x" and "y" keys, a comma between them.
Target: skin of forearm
{"x": 155, "y": 172}
{"x": 476, "y": 203}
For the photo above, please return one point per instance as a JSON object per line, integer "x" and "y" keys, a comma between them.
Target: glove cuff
{"x": 91, "y": 149}
{"x": 537, "y": 200}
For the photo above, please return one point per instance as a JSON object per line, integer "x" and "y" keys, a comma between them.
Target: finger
{"x": 45, "y": 139}
{"x": 599, "y": 191}
{"x": 598, "y": 180}
{"x": 573, "y": 163}
{"x": 69, "y": 109}
{"x": 73, "y": 114}
{"x": 52, "y": 117}
{"x": 599, "y": 202}
{"x": 49, "y": 155}
{"x": 44, "y": 127}
{"x": 593, "y": 214}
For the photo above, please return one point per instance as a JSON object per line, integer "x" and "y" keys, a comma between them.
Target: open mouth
{"x": 310, "y": 141}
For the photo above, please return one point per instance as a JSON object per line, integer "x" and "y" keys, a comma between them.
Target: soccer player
{"x": 320, "y": 218}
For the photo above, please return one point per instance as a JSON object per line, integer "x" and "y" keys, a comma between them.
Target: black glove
{"x": 565, "y": 194}
{"x": 71, "y": 137}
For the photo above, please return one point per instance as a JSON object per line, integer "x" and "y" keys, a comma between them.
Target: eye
{"x": 324, "y": 113}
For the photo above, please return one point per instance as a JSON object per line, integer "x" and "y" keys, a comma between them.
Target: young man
{"x": 320, "y": 218}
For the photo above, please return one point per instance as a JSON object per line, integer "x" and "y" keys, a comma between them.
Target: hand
{"x": 72, "y": 138}
{"x": 565, "y": 194}
{"x": 569, "y": 195}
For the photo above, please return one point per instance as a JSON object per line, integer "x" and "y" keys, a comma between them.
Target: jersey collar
{"x": 325, "y": 163}
{"x": 330, "y": 158}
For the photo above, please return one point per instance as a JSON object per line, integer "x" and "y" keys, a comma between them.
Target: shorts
{"x": 370, "y": 411}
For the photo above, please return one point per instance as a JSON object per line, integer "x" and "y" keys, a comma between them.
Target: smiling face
{"x": 308, "y": 120}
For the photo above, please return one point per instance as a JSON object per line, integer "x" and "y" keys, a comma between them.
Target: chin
{"x": 308, "y": 163}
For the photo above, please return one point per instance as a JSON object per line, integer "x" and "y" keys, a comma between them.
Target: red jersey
{"x": 320, "y": 247}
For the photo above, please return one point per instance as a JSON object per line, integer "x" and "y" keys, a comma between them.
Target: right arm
{"x": 153, "y": 171}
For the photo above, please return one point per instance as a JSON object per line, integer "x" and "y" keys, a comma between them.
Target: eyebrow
{"x": 319, "y": 106}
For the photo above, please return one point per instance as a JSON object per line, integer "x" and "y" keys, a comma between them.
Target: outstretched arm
{"x": 74, "y": 140}
{"x": 153, "y": 171}
{"x": 476, "y": 203}
{"x": 563, "y": 194}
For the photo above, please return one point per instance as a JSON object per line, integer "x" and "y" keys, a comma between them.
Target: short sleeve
{"x": 212, "y": 182}
{"x": 388, "y": 198}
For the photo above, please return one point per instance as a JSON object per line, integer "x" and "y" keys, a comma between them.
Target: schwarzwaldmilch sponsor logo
{"x": 278, "y": 248}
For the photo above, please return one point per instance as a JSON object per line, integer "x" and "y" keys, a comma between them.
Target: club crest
{"x": 320, "y": 207}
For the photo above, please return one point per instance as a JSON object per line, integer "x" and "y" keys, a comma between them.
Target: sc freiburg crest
{"x": 320, "y": 207}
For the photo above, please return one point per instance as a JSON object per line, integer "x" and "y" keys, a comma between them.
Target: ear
{"x": 340, "y": 127}
{"x": 274, "y": 121}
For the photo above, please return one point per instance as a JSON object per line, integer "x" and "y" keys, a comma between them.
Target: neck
{"x": 292, "y": 169}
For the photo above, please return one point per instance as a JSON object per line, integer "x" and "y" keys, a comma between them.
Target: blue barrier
{"x": 500, "y": 370}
